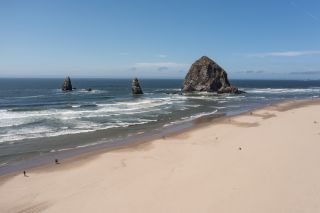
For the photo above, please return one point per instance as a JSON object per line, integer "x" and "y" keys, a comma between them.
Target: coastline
{"x": 98, "y": 147}
{"x": 101, "y": 146}
{"x": 173, "y": 151}
{"x": 67, "y": 124}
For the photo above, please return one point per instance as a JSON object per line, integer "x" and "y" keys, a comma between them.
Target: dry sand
{"x": 264, "y": 161}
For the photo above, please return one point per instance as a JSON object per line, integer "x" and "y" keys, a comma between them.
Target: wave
{"x": 93, "y": 91}
{"x": 24, "y": 109}
{"x": 191, "y": 105}
{"x": 60, "y": 150}
{"x": 199, "y": 115}
{"x": 190, "y": 118}
{"x": 235, "y": 97}
{"x": 3, "y": 164}
{"x": 82, "y": 115}
{"x": 169, "y": 89}
{"x": 283, "y": 90}
{"x": 85, "y": 117}
{"x": 24, "y": 97}
{"x": 29, "y": 132}
{"x": 21, "y": 118}
{"x": 218, "y": 107}
{"x": 88, "y": 105}
{"x": 19, "y": 123}
{"x": 77, "y": 147}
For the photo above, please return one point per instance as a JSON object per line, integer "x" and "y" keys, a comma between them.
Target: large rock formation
{"x": 207, "y": 75}
{"x": 67, "y": 86}
{"x": 135, "y": 87}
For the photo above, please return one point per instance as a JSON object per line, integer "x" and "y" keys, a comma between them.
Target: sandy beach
{"x": 262, "y": 161}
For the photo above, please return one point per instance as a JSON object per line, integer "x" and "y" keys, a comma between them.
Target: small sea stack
{"x": 135, "y": 87}
{"x": 67, "y": 86}
{"x": 207, "y": 76}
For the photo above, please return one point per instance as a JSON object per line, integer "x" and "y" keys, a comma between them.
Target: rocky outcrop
{"x": 135, "y": 87}
{"x": 67, "y": 86}
{"x": 207, "y": 75}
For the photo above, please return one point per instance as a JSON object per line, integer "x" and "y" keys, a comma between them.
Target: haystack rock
{"x": 67, "y": 86}
{"x": 135, "y": 87}
{"x": 206, "y": 75}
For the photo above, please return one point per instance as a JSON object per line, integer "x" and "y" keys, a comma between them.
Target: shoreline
{"x": 101, "y": 145}
{"x": 77, "y": 154}
{"x": 267, "y": 164}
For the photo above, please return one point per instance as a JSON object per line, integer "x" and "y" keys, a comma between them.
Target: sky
{"x": 250, "y": 39}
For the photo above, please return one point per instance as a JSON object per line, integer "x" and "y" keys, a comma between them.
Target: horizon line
{"x": 148, "y": 78}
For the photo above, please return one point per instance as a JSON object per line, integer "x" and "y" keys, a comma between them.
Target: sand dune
{"x": 263, "y": 161}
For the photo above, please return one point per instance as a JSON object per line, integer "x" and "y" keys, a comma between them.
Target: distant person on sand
{"x": 56, "y": 161}
{"x": 25, "y": 174}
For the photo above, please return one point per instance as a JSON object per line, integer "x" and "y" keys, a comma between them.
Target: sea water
{"x": 36, "y": 117}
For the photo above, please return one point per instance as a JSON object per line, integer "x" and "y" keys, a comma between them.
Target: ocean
{"x": 37, "y": 118}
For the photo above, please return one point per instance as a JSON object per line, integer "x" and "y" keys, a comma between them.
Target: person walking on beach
{"x": 25, "y": 174}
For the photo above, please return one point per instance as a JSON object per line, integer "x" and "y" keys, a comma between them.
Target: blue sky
{"x": 159, "y": 39}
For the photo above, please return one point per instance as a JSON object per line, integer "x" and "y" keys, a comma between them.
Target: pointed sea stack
{"x": 135, "y": 87}
{"x": 206, "y": 75}
{"x": 67, "y": 86}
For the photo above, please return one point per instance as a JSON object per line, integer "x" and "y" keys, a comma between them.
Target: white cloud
{"x": 162, "y": 56}
{"x": 286, "y": 53}
{"x": 157, "y": 65}
{"x": 316, "y": 72}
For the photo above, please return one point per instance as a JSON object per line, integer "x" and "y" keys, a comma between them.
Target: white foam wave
{"x": 235, "y": 97}
{"x": 191, "y": 105}
{"x": 80, "y": 127}
{"x": 190, "y": 118}
{"x": 168, "y": 89}
{"x": 218, "y": 107}
{"x": 16, "y": 118}
{"x": 18, "y": 125}
{"x": 87, "y": 145}
{"x": 25, "y": 97}
{"x": 77, "y": 147}
{"x": 3, "y": 164}
{"x": 59, "y": 150}
{"x": 283, "y": 90}
{"x": 203, "y": 97}
{"x": 93, "y": 91}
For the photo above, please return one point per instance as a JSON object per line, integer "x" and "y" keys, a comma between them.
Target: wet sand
{"x": 261, "y": 161}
